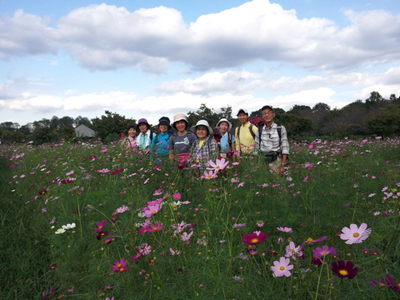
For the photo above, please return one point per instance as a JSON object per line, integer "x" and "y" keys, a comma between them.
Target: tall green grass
{"x": 326, "y": 186}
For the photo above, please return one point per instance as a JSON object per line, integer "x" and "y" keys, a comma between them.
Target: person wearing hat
{"x": 272, "y": 141}
{"x": 245, "y": 133}
{"x": 205, "y": 148}
{"x": 181, "y": 142}
{"x": 227, "y": 140}
{"x": 143, "y": 140}
{"x": 159, "y": 144}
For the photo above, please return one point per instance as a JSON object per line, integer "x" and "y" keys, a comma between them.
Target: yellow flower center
{"x": 254, "y": 240}
{"x": 356, "y": 234}
{"x": 119, "y": 265}
{"x": 293, "y": 251}
{"x": 310, "y": 240}
{"x": 282, "y": 268}
{"x": 324, "y": 253}
{"x": 343, "y": 272}
{"x": 153, "y": 211}
{"x": 122, "y": 269}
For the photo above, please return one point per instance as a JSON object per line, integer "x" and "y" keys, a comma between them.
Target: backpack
{"x": 254, "y": 121}
{"x": 279, "y": 129}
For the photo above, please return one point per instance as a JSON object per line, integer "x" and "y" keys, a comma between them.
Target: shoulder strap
{"x": 279, "y": 129}
{"x": 251, "y": 131}
{"x": 259, "y": 136}
{"x": 230, "y": 139}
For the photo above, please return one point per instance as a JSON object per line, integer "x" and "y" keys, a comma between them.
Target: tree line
{"x": 375, "y": 115}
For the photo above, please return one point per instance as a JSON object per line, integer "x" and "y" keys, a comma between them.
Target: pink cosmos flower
{"x": 104, "y": 150}
{"x": 152, "y": 209}
{"x": 254, "y": 238}
{"x": 157, "y": 227}
{"x": 260, "y": 223}
{"x": 121, "y": 209}
{"x": 310, "y": 241}
{"x": 292, "y": 250}
{"x": 120, "y": 266}
{"x": 186, "y": 237}
{"x": 157, "y": 192}
{"x": 69, "y": 173}
{"x": 282, "y": 267}
{"x": 176, "y": 196}
{"x": 219, "y": 164}
{"x": 209, "y": 175}
{"x": 158, "y": 201}
{"x": 174, "y": 252}
{"x": 285, "y": 229}
{"x": 355, "y": 235}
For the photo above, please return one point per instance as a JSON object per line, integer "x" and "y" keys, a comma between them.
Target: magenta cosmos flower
{"x": 254, "y": 238}
{"x": 344, "y": 269}
{"x": 282, "y": 267}
{"x": 323, "y": 251}
{"x": 355, "y": 235}
{"x": 120, "y": 266}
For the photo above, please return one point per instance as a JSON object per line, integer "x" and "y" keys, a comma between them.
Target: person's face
{"x": 132, "y": 132}
{"x": 180, "y": 126}
{"x": 201, "y": 132}
{"x": 224, "y": 127}
{"x": 143, "y": 128}
{"x": 163, "y": 128}
{"x": 243, "y": 118}
{"x": 268, "y": 115}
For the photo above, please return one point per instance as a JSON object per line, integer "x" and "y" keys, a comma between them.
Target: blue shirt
{"x": 159, "y": 144}
{"x": 225, "y": 146}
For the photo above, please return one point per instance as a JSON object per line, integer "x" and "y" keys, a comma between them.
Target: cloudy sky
{"x": 145, "y": 58}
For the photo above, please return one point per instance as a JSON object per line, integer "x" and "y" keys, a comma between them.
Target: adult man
{"x": 245, "y": 134}
{"x": 272, "y": 141}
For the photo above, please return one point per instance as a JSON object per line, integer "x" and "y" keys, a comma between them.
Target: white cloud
{"x": 210, "y": 83}
{"x": 306, "y": 97}
{"x": 25, "y": 34}
{"x": 108, "y": 37}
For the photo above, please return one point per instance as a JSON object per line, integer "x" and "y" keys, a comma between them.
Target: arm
{"x": 237, "y": 140}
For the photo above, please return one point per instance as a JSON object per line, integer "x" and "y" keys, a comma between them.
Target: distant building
{"x": 84, "y": 131}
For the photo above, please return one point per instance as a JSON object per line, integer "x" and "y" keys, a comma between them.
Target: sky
{"x": 148, "y": 59}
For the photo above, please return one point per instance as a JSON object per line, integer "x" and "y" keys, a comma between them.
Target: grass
{"x": 327, "y": 186}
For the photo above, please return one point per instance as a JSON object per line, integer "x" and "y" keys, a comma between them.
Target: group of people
{"x": 203, "y": 143}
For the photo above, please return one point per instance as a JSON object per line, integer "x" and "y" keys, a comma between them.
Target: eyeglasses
{"x": 268, "y": 114}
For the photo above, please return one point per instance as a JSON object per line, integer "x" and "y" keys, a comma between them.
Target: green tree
{"x": 299, "y": 109}
{"x": 321, "y": 107}
{"x": 209, "y": 114}
{"x": 82, "y": 121}
{"x": 110, "y": 126}
{"x": 387, "y": 123}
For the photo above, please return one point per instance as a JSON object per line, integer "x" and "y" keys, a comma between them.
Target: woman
{"x": 205, "y": 148}
{"x": 129, "y": 142}
{"x": 143, "y": 140}
{"x": 181, "y": 142}
{"x": 159, "y": 145}
{"x": 227, "y": 139}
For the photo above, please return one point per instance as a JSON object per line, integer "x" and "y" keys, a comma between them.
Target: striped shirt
{"x": 270, "y": 140}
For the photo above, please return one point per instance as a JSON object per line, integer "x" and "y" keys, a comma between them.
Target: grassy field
{"x": 92, "y": 221}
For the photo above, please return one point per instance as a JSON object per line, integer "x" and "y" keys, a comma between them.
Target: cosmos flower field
{"x": 93, "y": 221}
